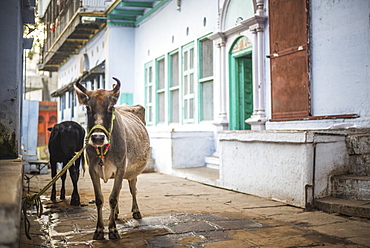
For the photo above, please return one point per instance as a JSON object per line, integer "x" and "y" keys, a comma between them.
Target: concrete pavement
{"x": 181, "y": 213}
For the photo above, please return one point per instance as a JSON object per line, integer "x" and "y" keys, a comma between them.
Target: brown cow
{"x": 118, "y": 148}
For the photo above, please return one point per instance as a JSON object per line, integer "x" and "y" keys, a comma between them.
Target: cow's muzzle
{"x": 98, "y": 139}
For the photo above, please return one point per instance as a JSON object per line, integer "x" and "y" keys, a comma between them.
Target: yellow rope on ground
{"x": 34, "y": 199}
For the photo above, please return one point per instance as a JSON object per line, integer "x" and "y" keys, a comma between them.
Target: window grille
{"x": 206, "y": 58}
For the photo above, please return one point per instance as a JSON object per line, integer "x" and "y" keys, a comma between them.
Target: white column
{"x": 258, "y": 119}
{"x": 255, "y": 73}
{"x": 261, "y": 72}
{"x": 221, "y": 121}
{"x": 222, "y": 118}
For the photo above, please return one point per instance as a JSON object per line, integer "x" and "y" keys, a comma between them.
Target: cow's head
{"x": 100, "y": 106}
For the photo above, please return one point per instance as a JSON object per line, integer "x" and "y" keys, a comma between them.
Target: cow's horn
{"x": 80, "y": 87}
{"x": 117, "y": 86}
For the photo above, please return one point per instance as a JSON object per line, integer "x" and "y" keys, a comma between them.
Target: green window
{"x": 174, "y": 87}
{"x": 161, "y": 90}
{"x": 188, "y": 83}
{"x": 179, "y": 85}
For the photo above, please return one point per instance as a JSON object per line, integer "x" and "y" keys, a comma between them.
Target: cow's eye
{"x": 111, "y": 109}
{"x": 88, "y": 109}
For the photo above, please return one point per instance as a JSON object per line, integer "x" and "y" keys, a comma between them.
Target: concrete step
{"x": 212, "y": 162}
{"x": 202, "y": 174}
{"x": 352, "y": 187}
{"x": 349, "y": 207}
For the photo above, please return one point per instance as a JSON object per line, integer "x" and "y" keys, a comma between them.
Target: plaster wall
{"x": 280, "y": 164}
{"x": 30, "y": 116}
{"x": 190, "y": 148}
{"x": 72, "y": 68}
{"x": 173, "y": 150}
{"x": 331, "y": 158}
{"x": 340, "y": 49}
{"x": 11, "y": 76}
{"x": 120, "y": 61}
{"x": 161, "y": 145}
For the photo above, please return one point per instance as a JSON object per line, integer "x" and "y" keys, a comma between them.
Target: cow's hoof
{"x": 136, "y": 215}
{"x": 114, "y": 234}
{"x": 98, "y": 235}
{"x": 53, "y": 199}
{"x": 75, "y": 202}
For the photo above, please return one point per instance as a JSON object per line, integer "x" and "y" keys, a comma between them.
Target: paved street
{"x": 181, "y": 213}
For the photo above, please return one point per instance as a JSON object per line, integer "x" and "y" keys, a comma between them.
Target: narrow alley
{"x": 182, "y": 213}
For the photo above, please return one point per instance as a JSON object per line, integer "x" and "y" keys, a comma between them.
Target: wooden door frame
{"x": 235, "y": 87}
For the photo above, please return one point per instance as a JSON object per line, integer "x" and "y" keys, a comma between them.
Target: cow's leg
{"x": 74, "y": 172}
{"x": 113, "y": 202}
{"x": 99, "y": 200}
{"x": 63, "y": 188}
{"x": 53, "y": 165}
{"x": 135, "y": 208}
{"x": 116, "y": 211}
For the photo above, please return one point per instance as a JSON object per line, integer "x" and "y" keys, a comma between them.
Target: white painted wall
{"x": 120, "y": 61}
{"x": 340, "y": 48}
{"x": 279, "y": 164}
{"x": 174, "y": 150}
{"x": 94, "y": 48}
{"x": 71, "y": 70}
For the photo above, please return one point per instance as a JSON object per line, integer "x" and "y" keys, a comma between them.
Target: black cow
{"x": 66, "y": 139}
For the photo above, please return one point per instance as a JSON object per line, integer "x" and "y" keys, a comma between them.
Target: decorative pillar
{"x": 222, "y": 122}
{"x": 261, "y": 72}
{"x": 258, "y": 119}
{"x": 255, "y": 73}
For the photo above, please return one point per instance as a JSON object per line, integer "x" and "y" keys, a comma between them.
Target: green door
{"x": 241, "y": 92}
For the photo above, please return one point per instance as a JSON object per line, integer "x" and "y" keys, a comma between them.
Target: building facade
{"x": 247, "y": 95}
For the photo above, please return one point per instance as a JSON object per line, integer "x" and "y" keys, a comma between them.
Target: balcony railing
{"x": 64, "y": 30}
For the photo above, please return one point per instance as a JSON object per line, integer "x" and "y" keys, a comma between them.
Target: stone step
{"x": 349, "y": 207}
{"x": 352, "y": 187}
{"x": 358, "y": 148}
{"x": 212, "y": 162}
{"x": 358, "y": 143}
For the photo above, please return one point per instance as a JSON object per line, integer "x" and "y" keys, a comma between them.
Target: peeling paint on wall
{"x": 8, "y": 143}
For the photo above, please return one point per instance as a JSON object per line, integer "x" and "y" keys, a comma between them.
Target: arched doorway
{"x": 241, "y": 84}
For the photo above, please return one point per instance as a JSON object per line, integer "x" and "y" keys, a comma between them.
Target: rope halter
{"x": 99, "y": 152}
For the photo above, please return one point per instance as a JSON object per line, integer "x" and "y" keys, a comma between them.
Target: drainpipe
{"x": 309, "y": 206}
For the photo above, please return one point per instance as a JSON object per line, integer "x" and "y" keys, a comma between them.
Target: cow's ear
{"x": 82, "y": 97}
{"x": 54, "y": 131}
{"x": 50, "y": 128}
